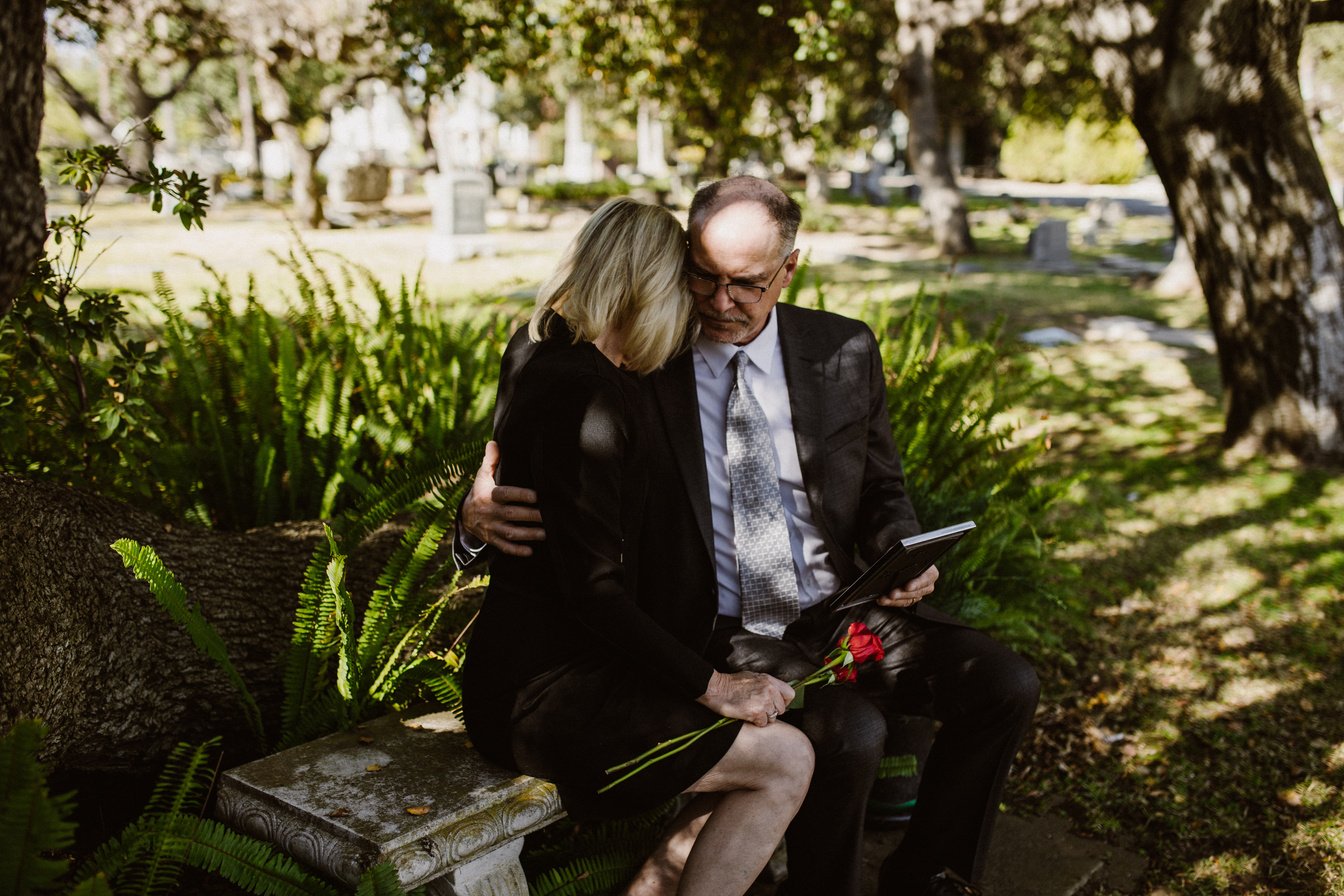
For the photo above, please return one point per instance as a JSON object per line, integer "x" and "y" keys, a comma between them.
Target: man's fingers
{"x": 512, "y": 494}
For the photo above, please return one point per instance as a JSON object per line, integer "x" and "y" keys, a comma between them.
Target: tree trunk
{"x": 23, "y": 211}
{"x": 85, "y": 646}
{"x": 939, "y": 195}
{"x": 276, "y": 109}
{"x": 1212, "y": 88}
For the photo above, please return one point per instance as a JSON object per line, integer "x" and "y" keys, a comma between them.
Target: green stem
{"x": 688, "y": 739}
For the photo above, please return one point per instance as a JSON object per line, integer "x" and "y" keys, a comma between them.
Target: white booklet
{"x": 901, "y": 562}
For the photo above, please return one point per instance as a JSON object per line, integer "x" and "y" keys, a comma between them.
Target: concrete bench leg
{"x": 496, "y": 873}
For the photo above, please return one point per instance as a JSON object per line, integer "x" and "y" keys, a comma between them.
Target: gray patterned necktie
{"x": 764, "y": 558}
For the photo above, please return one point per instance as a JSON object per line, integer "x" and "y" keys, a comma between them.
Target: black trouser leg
{"x": 984, "y": 695}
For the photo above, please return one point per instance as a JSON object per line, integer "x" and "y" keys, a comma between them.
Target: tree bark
{"x": 939, "y": 195}
{"x": 23, "y": 211}
{"x": 85, "y": 646}
{"x": 1212, "y": 88}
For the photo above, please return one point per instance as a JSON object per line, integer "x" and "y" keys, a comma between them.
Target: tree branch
{"x": 1325, "y": 11}
{"x": 83, "y": 106}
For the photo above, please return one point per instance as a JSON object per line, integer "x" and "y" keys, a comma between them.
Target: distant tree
{"x": 1212, "y": 86}
{"x": 22, "y": 211}
{"x": 146, "y": 53}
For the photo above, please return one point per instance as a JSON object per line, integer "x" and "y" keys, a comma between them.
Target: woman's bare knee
{"x": 777, "y": 755}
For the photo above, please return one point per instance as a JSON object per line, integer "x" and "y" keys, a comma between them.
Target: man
{"x": 817, "y": 379}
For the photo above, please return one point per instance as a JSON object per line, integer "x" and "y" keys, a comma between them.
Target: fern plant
{"x": 151, "y": 854}
{"x": 592, "y": 859}
{"x": 344, "y": 664}
{"x": 295, "y": 414}
{"x": 949, "y": 394}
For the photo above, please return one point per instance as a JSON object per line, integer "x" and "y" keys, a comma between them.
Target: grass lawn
{"x": 1193, "y": 708}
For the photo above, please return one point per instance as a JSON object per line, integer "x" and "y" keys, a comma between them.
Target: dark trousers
{"x": 982, "y": 693}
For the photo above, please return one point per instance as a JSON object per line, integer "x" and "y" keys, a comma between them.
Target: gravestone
{"x": 458, "y": 201}
{"x": 1048, "y": 245}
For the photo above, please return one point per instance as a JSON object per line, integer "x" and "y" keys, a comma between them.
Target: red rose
{"x": 863, "y": 644}
{"x": 846, "y": 674}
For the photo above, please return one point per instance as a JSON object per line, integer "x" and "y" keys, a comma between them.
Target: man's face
{"x": 738, "y": 245}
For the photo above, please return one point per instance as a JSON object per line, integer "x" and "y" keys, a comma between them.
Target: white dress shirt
{"x": 765, "y": 376}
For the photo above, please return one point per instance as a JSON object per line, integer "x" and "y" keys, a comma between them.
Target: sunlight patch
{"x": 1231, "y": 872}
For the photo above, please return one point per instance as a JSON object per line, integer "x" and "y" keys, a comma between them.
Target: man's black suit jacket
{"x": 851, "y": 467}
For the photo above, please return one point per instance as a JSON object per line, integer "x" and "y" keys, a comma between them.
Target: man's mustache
{"x": 727, "y": 319}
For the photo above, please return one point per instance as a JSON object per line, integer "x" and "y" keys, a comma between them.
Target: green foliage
{"x": 591, "y": 859}
{"x": 1083, "y": 150}
{"x": 949, "y": 393}
{"x": 292, "y": 415}
{"x": 144, "y": 562}
{"x": 34, "y": 825}
{"x": 382, "y": 657}
{"x": 149, "y": 856}
{"x": 72, "y": 378}
{"x": 348, "y": 662}
{"x": 568, "y": 191}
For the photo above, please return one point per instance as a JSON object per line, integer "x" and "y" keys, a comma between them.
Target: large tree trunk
{"x": 1212, "y": 88}
{"x": 939, "y": 195}
{"x": 85, "y": 646}
{"x": 23, "y": 209}
{"x": 276, "y": 109}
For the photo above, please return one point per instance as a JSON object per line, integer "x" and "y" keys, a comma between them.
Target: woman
{"x": 566, "y": 675}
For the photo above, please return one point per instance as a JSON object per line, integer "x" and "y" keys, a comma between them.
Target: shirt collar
{"x": 760, "y": 351}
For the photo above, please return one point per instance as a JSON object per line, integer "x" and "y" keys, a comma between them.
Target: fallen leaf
{"x": 342, "y": 812}
{"x": 373, "y": 768}
{"x": 365, "y": 739}
{"x": 417, "y": 810}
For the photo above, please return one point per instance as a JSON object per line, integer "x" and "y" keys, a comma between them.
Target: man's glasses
{"x": 702, "y": 287}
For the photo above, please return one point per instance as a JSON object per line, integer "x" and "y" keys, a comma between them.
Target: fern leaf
{"x": 253, "y": 865}
{"x": 144, "y": 562}
{"x": 380, "y": 880}
{"x": 589, "y": 875}
{"x": 33, "y": 823}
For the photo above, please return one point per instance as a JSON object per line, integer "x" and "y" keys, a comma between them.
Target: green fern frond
{"x": 185, "y": 781}
{"x": 144, "y": 562}
{"x": 380, "y": 880}
{"x": 93, "y": 886}
{"x": 34, "y": 825}
{"x": 253, "y": 865}
{"x": 589, "y": 875}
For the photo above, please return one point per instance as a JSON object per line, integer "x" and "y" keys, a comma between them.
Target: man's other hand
{"x": 913, "y": 591}
{"x": 502, "y": 516}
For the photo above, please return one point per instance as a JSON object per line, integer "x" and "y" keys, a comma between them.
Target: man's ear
{"x": 790, "y": 267}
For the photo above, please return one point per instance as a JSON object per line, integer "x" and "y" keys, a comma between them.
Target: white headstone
{"x": 458, "y": 202}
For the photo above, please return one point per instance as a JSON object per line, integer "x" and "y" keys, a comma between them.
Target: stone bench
{"x": 408, "y": 790}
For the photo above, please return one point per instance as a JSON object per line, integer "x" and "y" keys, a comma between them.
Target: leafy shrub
{"x": 73, "y": 376}
{"x": 292, "y": 415}
{"x": 568, "y": 191}
{"x": 948, "y": 392}
{"x": 1083, "y": 150}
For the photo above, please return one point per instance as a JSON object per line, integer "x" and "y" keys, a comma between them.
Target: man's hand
{"x": 502, "y": 516}
{"x": 751, "y": 696}
{"x": 915, "y": 590}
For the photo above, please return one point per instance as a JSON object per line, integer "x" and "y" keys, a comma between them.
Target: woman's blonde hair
{"x": 624, "y": 271}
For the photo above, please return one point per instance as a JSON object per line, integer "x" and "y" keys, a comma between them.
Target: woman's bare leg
{"x": 661, "y": 871}
{"x": 758, "y": 786}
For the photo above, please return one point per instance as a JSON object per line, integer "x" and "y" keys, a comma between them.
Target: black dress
{"x": 566, "y": 675}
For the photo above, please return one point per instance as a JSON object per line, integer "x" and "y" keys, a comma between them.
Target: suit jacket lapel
{"x": 674, "y": 388}
{"x": 804, "y": 369}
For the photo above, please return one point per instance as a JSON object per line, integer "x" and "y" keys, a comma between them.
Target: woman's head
{"x": 623, "y": 272}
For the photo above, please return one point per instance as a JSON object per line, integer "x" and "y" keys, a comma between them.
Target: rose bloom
{"x": 846, "y": 674}
{"x": 863, "y": 644}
